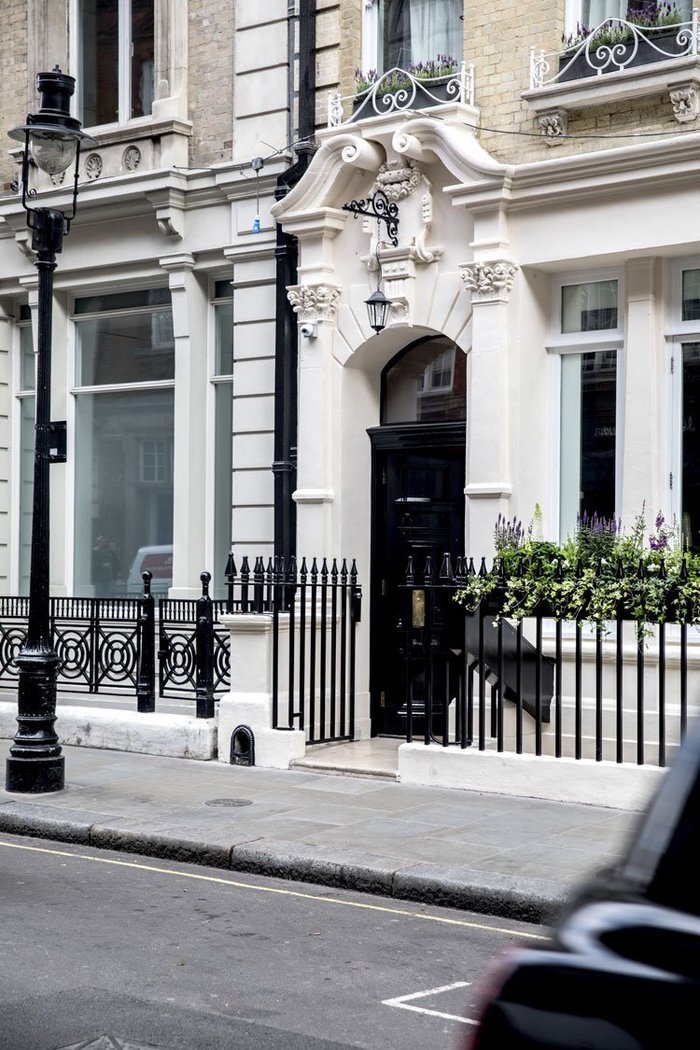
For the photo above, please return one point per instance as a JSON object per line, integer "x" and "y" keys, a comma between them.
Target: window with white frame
{"x": 222, "y": 382}
{"x": 407, "y": 33}
{"x": 591, "y": 13}
{"x": 116, "y": 60}
{"x": 588, "y": 340}
{"x": 26, "y": 391}
{"x": 683, "y": 481}
{"x": 124, "y": 425}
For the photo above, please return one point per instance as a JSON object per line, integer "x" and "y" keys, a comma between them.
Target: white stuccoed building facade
{"x": 542, "y": 342}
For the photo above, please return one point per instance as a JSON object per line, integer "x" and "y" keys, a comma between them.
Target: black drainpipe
{"x": 286, "y": 257}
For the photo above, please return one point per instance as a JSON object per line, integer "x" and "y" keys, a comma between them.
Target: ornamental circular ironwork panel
{"x": 73, "y": 648}
{"x": 11, "y": 641}
{"x": 118, "y": 654}
{"x": 180, "y": 663}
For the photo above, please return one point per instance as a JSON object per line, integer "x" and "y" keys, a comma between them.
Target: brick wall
{"x": 13, "y": 63}
{"x": 210, "y": 75}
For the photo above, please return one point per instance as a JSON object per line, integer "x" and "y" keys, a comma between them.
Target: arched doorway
{"x": 417, "y": 497}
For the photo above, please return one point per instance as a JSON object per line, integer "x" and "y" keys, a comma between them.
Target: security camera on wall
{"x": 308, "y": 330}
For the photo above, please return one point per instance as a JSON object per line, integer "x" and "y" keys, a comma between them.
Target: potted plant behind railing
{"x": 592, "y": 576}
{"x": 431, "y": 82}
{"x": 656, "y": 34}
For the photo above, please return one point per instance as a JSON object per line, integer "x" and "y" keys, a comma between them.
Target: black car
{"x": 622, "y": 969}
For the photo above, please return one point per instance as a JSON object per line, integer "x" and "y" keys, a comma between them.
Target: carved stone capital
{"x": 489, "y": 282}
{"x": 554, "y": 125}
{"x": 685, "y": 100}
{"x": 314, "y": 302}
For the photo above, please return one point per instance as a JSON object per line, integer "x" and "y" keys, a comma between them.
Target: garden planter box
{"x": 577, "y": 68}
{"x": 433, "y": 93}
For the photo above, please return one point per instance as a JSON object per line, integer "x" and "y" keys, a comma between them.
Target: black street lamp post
{"x": 52, "y": 141}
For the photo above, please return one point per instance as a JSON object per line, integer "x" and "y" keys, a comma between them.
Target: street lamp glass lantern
{"x": 52, "y": 151}
{"x": 378, "y": 307}
{"x": 52, "y": 138}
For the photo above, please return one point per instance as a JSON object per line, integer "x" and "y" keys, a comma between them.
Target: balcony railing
{"x": 399, "y": 90}
{"x": 614, "y": 46}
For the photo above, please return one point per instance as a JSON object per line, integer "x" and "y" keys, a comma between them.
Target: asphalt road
{"x": 97, "y": 945}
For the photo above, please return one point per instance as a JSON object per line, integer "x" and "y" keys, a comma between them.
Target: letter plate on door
{"x": 418, "y": 609}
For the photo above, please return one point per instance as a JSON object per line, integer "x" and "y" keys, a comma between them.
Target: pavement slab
{"x": 513, "y": 857}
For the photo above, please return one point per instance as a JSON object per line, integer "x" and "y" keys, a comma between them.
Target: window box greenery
{"x": 597, "y": 576}
{"x": 622, "y": 44}
{"x": 429, "y": 80}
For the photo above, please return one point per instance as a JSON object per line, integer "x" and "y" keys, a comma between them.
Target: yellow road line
{"x": 273, "y": 889}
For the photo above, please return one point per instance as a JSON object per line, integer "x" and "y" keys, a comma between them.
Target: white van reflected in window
{"x": 159, "y": 562}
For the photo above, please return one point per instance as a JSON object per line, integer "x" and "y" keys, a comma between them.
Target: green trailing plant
{"x": 598, "y": 574}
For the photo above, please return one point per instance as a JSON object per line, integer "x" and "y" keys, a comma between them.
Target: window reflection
{"x": 426, "y": 384}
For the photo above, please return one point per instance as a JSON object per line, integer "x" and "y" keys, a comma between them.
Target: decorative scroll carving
{"x": 316, "y": 302}
{"x": 489, "y": 282}
{"x": 686, "y": 103}
{"x": 553, "y": 125}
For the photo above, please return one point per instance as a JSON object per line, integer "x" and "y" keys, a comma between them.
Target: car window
{"x": 661, "y": 860}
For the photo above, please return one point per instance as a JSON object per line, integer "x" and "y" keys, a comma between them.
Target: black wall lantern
{"x": 378, "y": 307}
{"x": 52, "y": 141}
{"x": 378, "y": 207}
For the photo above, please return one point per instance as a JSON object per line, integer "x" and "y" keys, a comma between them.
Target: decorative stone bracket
{"x": 685, "y": 99}
{"x": 489, "y": 282}
{"x": 554, "y": 125}
{"x": 314, "y": 302}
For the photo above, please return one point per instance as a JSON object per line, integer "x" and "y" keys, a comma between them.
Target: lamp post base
{"x": 35, "y": 775}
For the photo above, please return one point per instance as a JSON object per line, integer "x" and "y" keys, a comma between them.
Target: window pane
{"x": 691, "y": 445}
{"x": 124, "y": 491}
{"x": 99, "y": 79}
{"x": 223, "y": 316}
{"x": 589, "y": 307}
{"x": 92, "y": 304}
{"x": 691, "y": 295}
{"x": 223, "y": 495}
{"x": 142, "y": 57}
{"x": 426, "y": 385}
{"x": 415, "y": 31}
{"x": 588, "y": 422}
{"x": 26, "y": 489}
{"x": 27, "y": 359}
{"x": 125, "y": 348}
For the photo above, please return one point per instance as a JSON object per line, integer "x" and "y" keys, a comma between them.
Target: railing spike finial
{"x": 410, "y": 575}
{"x": 428, "y": 571}
{"x": 446, "y": 567}
{"x": 483, "y": 571}
{"x": 471, "y": 570}
{"x": 205, "y": 578}
{"x": 230, "y": 569}
{"x": 146, "y": 577}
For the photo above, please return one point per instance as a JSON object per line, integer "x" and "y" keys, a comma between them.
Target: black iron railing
{"x": 614, "y": 691}
{"x": 109, "y": 644}
{"x": 315, "y": 611}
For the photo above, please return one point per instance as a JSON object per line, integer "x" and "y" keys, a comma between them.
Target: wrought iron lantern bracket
{"x": 378, "y": 207}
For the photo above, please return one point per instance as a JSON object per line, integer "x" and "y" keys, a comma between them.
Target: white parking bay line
{"x": 402, "y": 1002}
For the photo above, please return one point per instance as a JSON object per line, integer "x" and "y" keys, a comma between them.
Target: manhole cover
{"x": 229, "y": 802}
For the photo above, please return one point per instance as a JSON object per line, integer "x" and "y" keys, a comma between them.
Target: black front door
{"x": 418, "y": 510}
